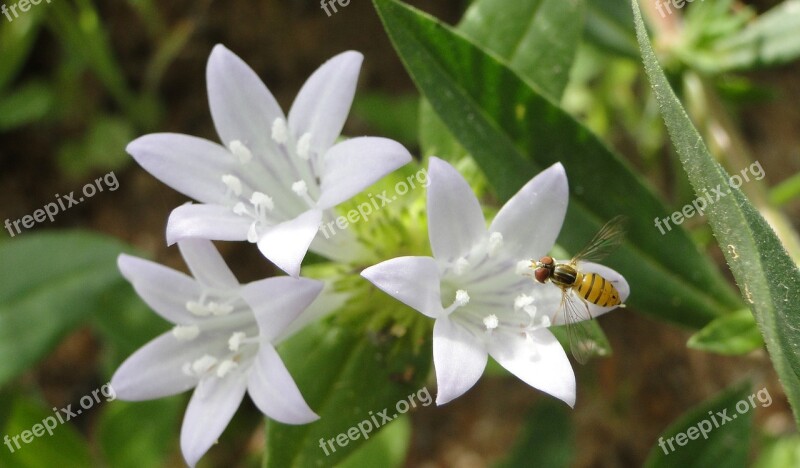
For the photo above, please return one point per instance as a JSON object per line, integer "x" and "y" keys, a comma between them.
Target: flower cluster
{"x": 272, "y": 182}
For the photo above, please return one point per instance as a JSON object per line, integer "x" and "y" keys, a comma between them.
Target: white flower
{"x": 482, "y": 304}
{"x": 222, "y": 343}
{"x": 274, "y": 176}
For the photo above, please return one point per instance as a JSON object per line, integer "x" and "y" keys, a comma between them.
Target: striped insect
{"x": 578, "y": 289}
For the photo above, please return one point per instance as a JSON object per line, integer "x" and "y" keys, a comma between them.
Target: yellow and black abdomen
{"x": 596, "y": 289}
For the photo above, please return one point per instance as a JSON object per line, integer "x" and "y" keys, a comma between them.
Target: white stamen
{"x": 460, "y": 266}
{"x": 204, "y": 364}
{"x": 495, "y": 242}
{"x": 462, "y": 298}
{"x": 304, "y": 146}
{"x": 233, "y": 183}
{"x": 218, "y": 309}
{"x": 240, "y": 209}
{"x": 280, "y": 133}
{"x": 187, "y": 369}
{"x": 523, "y": 267}
{"x": 491, "y": 322}
{"x": 261, "y": 200}
{"x": 196, "y": 308}
{"x": 252, "y": 234}
{"x": 241, "y": 151}
{"x": 522, "y": 301}
{"x": 225, "y": 367}
{"x": 300, "y": 188}
{"x": 545, "y": 322}
{"x": 185, "y": 332}
{"x": 235, "y": 341}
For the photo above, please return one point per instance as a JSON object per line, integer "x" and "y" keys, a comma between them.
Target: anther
{"x": 304, "y": 146}
{"x": 491, "y": 322}
{"x": 241, "y": 151}
{"x": 495, "y": 242}
{"x": 185, "y": 332}
{"x": 280, "y": 133}
{"x": 233, "y": 183}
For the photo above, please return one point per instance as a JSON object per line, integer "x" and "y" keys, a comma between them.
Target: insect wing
{"x": 608, "y": 238}
{"x": 576, "y": 313}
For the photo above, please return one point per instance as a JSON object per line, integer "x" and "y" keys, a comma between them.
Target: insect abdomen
{"x": 597, "y": 290}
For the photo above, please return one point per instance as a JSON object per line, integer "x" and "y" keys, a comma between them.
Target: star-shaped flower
{"x": 275, "y": 175}
{"x": 222, "y": 343}
{"x": 483, "y": 302}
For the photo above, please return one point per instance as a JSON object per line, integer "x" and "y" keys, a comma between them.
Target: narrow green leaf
{"x": 703, "y": 437}
{"x": 54, "y": 281}
{"x": 784, "y": 451}
{"x": 608, "y": 25}
{"x": 28, "y": 103}
{"x": 387, "y": 449}
{"x": 348, "y": 379}
{"x": 513, "y": 133}
{"x": 731, "y": 334}
{"x": 768, "y": 279}
{"x": 16, "y": 42}
{"x": 547, "y": 438}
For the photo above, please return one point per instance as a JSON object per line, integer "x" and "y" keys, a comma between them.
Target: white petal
{"x": 274, "y": 391}
{"x": 414, "y": 281}
{"x": 329, "y": 300}
{"x": 278, "y": 301}
{"x": 206, "y": 264}
{"x": 353, "y": 165}
{"x": 213, "y": 222}
{"x": 322, "y": 105}
{"x": 163, "y": 289}
{"x": 154, "y": 370}
{"x": 211, "y": 408}
{"x": 539, "y": 361}
{"x": 243, "y": 109}
{"x": 190, "y": 165}
{"x": 455, "y": 219}
{"x": 531, "y": 220}
{"x": 459, "y": 359}
{"x": 286, "y": 244}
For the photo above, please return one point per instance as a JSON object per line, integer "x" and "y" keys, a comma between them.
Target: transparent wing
{"x": 604, "y": 242}
{"x": 576, "y": 313}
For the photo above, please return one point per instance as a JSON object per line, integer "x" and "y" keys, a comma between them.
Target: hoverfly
{"x": 584, "y": 287}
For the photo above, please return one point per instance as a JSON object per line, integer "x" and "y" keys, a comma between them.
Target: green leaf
{"x": 538, "y": 39}
{"x": 772, "y": 39}
{"x": 55, "y": 280}
{"x": 141, "y": 433}
{"x": 732, "y": 334}
{"x": 387, "y": 449}
{"x": 16, "y": 42}
{"x": 65, "y": 447}
{"x": 400, "y": 124}
{"x": 31, "y": 102}
{"x": 784, "y": 451}
{"x": 513, "y": 133}
{"x": 608, "y": 25}
{"x": 725, "y": 443}
{"x": 347, "y": 379}
{"x": 547, "y": 439}
{"x": 103, "y": 148}
{"x": 768, "y": 279}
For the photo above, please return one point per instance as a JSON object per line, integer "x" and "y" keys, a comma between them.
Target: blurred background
{"x": 79, "y": 79}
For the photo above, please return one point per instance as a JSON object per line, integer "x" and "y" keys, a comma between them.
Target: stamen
{"x": 240, "y": 209}
{"x": 197, "y": 308}
{"x": 204, "y": 364}
{"x": 260, "y": 200}
{"x": 544, "y": 322}
{"x": 233, "y": 183}
{"x": 523, "y": 268}
{"x": 460, "y": 266}
{"x": 218, "y": 309}
{"x": 522, "y": 301}
{"x": 225, "y": 367}
{"x": 241, "y": 151}
{"x": 495, "y": 242}
{"x": 280, "y": 133}
{"x": 236, "y": 340}
{"x": 185, "y": 332}
{"x": 300, "y": 188}
{"x": 491, "y": 322}
{"x": 252, "y": 233}
{"x": 462, "y": 298}
{"x": 304, "y": 146}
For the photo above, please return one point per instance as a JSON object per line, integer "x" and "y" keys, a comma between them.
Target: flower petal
{"x": 539, "y": 361}
{"x": 190, "y": 165}
{"x": 206, "y": 264}
{"x": 213, "y": 222}
{"x": 414, "y": 281}
{"x": 328, "y": 301}
{"x": 455, "y": 219}
{"x": 353, "y": 165}
{"x": 277, "y": 301}
{"x": 286, "y": 244}
{"x": 274, "y": 391}
{"x": 531, "y": 220}
{"x": 322, "y": 105}
{"x": 163, "y": 289}
{"x": 211, "y": 408}
{"x": 242, "y": 107}
{"x": 459, "y": 359}
{"x": 154, "y": 370}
